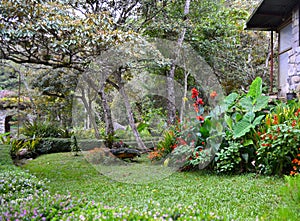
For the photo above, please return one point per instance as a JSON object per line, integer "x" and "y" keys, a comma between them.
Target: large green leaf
{"x": 246, "y": 103}
{"x": 255, "y": 88}
{"x": 243, "y": 126}
{"x": 231, "y": 98}
{"x": 261, "y": 103}
{"x": 257, "y": 120}
{"x": 228, "y": 121}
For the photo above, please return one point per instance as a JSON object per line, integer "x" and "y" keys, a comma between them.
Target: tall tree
{"x": 171, "y": 73}
{"x": 55, "y": 33}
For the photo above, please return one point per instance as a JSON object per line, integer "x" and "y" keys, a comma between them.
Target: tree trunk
{"x": 136, "y": 134}
{"x": 184, "y": 98}
{"x": 171, "y": 74}
{"x": 120, "y": 87}
{"x": 90, "y": 113}
{"x": 109, "y": 128}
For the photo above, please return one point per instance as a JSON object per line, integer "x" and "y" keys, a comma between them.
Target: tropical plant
{"x": 28, "y": 146}
{"x": 243, "y": 114}
{"x": 228, "y": 158}
{"x": 42, "y": 129}
{"x": 279, "y": 144}
{"x": 5, "y": 138}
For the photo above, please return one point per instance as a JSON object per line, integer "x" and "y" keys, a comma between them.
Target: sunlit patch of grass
{"x": 244, "y": 197}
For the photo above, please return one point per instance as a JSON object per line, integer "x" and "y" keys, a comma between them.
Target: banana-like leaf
{"x": 255, "y": 88}
{"x": 248, "y": 142}
{"x": 231, "y": 98}
{"x": 246, "y": 103}
{"x": 243, "y": 126}
{"x": 228, "y": 121}
{"x": 261, "y": 103}
{"x": 257, "y": 120}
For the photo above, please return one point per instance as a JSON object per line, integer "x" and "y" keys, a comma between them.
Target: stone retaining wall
{"x": 294, "y": 56}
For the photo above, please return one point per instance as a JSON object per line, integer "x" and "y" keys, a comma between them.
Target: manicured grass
{"x": 4, "y": 155}
{"x": 244, "y": 197}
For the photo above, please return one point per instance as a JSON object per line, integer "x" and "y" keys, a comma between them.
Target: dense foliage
{"x": 257, "y": 136}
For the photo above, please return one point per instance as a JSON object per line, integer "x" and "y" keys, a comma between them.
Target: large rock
{"x": 125, "y": 153}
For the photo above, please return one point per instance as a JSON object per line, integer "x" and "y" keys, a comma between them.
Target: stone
{"x": 23, "y": 152}
{"x": 296, "y": 79}
{"x": 118, "y": 126}
{"x": 126, "y": 153}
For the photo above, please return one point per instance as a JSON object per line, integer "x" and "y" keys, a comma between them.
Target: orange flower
{"x": 268, "y": 122}
{"x": 213, "y": 94}
{"x": 196, "y": 107}
{"x": 275, "y": 121}
{"x": 294, "y": 168}
{"x": 292, "y": 173}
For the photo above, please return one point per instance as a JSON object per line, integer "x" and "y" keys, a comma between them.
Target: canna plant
{"x": 279, "y": 144}
{"x": 242, "y": 115}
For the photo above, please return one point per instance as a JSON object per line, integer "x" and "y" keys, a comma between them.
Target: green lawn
{"x": 244, "y": 197}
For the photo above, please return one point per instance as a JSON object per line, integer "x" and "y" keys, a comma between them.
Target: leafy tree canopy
{"x": 54, "y": 33}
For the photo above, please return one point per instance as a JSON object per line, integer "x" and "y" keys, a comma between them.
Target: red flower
{"x": 174, "y": 146}
{"x": 294, "y": 123}
{"x": 195, "y": 93}
{"x": 200, "y": 118}
{"x": 200, "y": 101}
{"x": 278, "y": 129}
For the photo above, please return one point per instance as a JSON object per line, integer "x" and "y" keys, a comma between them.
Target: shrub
{"x": 44, "y": 129}
{"x": 164, "y": 146}
{"x": 185, "y": 145}
{"x": 5, "y": 138}
{"x": 27, "y": 148}
{"x": 280, "y": 143}
{"x": 53, "y": 145}
{"x": 24, "y": 148}
{"x": 243, "y": 115}
{"x": 228, "y": 158}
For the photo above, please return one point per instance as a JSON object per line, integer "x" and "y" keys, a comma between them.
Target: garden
{"x": 243, "y": 181}
{"x": 143, "y": 110}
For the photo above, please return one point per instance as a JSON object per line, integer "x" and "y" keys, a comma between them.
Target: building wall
{"x": 294, "y": 56}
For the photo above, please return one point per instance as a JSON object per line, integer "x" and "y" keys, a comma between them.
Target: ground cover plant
{"x": 195, "y": 194}
{"x": 66, "y": 187}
